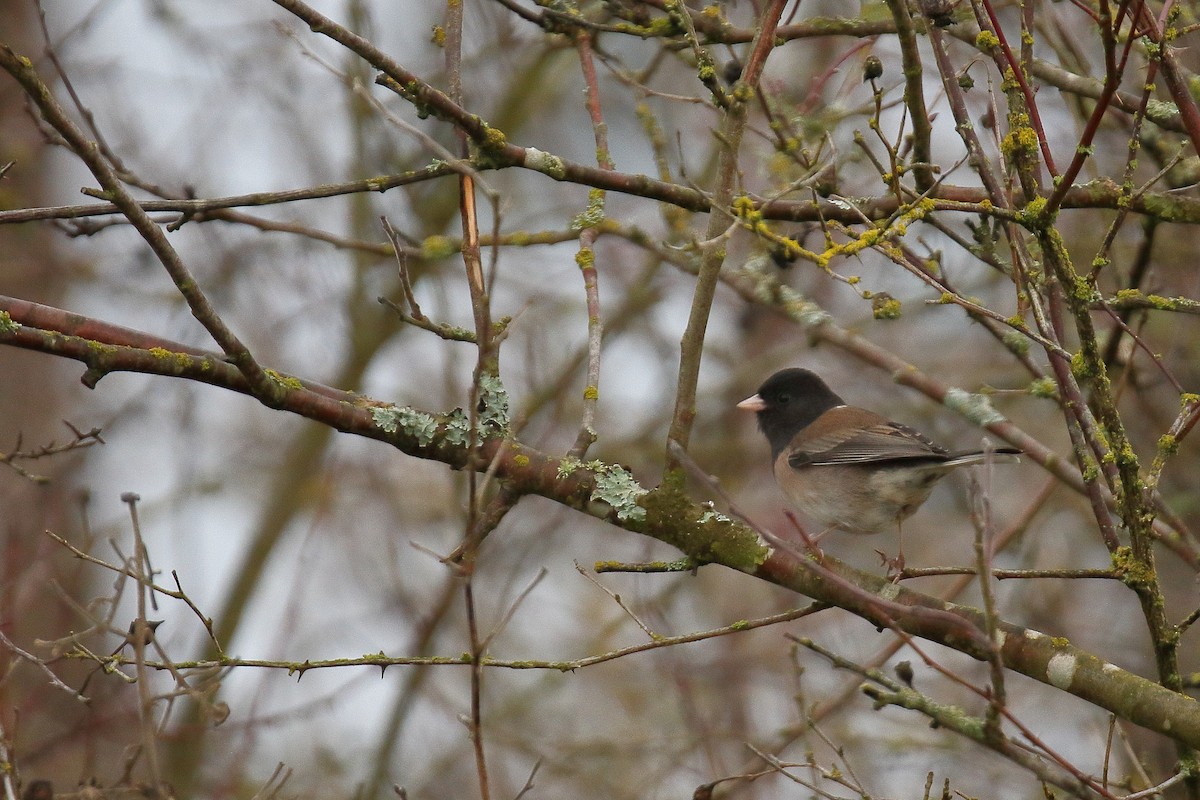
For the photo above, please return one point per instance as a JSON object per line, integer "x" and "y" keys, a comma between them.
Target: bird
{"x": 845, "y": 467}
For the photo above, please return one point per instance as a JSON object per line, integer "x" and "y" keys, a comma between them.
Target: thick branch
{"x": 609, "y": 493}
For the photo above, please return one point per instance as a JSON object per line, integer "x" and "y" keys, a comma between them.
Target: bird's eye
{"x": 785, "y": 398}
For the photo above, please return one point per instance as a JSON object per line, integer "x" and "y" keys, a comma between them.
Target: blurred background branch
{"x": 893, "y": 199}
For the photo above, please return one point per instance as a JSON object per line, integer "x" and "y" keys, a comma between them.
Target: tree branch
{"x": 611, "y": 494}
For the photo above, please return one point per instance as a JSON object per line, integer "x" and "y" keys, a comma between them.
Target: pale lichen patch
{"x": 975, "y": 407}
{"x": 393, "y": 419}
{"x": 1060, "y": 672}
{"x": 616, "y": 487}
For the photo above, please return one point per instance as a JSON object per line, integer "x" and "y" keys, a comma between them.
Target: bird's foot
{"x": 810, "y": 542}
{"x": 895, "y": 565}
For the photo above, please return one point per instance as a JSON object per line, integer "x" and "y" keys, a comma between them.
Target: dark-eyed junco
{"x": 846, "y": 467}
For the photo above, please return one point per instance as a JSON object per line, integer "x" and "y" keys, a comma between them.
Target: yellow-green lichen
{"x": 1129, "y": 569}
{"x": 986, "y": 40}
{"x": 742, "y": 92}
{"x": 1162, "y": 303}
{"x": 1044, "y": 387}
{"x": 886, "y": 308}
{"x": 1080, "y": 367}
{"x": 493, "y": 138}
{"x": 1016, "y": 341}
{"x": 1009, "y": 83}
{"x": 287, "y": 381}
{"x": 672, "y": 518}
{"x": 1085, "y": 290}
{"x": 8, "y": 324}
{"x": 1090, "y": 471}
{"x": 1018, "y": 142}
{"x": 181, "y": 361}
{"x": 435, "y": 248}
{"x": 1125, "y": 457}
{"x": 593, "y": 215}
{"x": 1168, "y": 445}
{"x": 745, "y": 209}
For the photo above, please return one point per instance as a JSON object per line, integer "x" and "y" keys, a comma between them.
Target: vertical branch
{"x": 486, "y": 364}
{"x": 586, "y": 257}
{"x": 914, "y": 94}
{"x": 733, "y": 124}
{"x": 1113, "y": 71}
{"x": 1090, "y": 453}
{"x": 476, "y": 724}
{"x": 1106, "y": 434}
{"x": 1175, "y": 76}
{"x": 1062, "y": 284}
{"x": 487, "y": 360}
{"x": 1168, "y": 445}
{"x": 9, "y": 775}
{"x": 468, "y": 209}
{"x": 963, "y": 122}
{"x": 1007, "y": 63}
{"x": 140, "y": 633}
{"x": 985, "y": 534}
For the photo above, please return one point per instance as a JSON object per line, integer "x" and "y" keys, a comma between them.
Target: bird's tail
{"x": 997, "y": 455}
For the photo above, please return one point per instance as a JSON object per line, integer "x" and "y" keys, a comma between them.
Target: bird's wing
{"x": 875, "y": 444}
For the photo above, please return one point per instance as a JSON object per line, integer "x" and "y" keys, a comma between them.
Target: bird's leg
{"x": 809, "y": 541}
{"x": 895, "y": 566}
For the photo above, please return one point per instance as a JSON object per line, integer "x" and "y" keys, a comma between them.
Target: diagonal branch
{"x": 21, "y": 69}
{"x": 610, "y": 493}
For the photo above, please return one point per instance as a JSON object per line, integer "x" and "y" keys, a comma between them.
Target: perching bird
{"x": 846, "y": 467}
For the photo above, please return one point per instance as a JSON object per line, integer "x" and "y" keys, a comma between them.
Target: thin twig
{"x": 142, "y": 634}
{"x": 616, "y": 598}
{"x": 51, "y": 678}
{"x": 586, "y": 257}
{"x": 512, "y": 609}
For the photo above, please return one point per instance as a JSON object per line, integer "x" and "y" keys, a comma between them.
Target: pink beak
{"x": 752, "y": 403}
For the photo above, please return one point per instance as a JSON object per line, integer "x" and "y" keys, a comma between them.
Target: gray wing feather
{"x": 878, "y": 443}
